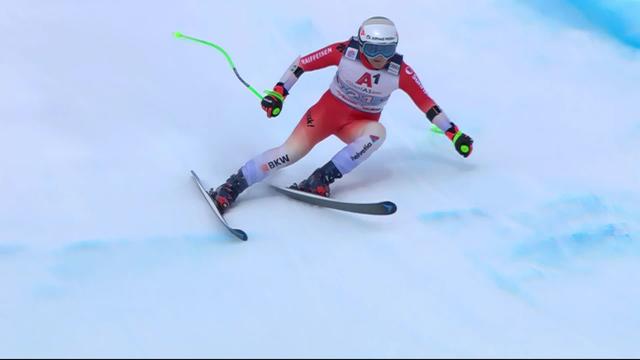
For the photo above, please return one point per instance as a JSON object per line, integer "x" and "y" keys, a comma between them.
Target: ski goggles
{"x": 373, "y": 50}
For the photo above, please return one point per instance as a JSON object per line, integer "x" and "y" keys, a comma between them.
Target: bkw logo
{"x": 275, "y": 163}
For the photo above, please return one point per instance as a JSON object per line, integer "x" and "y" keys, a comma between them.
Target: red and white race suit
{"x": 350, "y": 109}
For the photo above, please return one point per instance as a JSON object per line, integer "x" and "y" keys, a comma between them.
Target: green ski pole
{"x": 231, "y": 64}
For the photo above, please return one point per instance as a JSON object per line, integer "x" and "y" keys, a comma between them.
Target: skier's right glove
{"x": 272, "y": 103}
{"x": 462, "y": 142}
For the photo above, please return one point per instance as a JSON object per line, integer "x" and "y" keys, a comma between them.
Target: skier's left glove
{"x": 272, "y": 103}
{"x": 462, "y": 142}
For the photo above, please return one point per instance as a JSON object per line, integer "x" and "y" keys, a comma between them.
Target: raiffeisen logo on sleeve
{"x": 316, "y": 56}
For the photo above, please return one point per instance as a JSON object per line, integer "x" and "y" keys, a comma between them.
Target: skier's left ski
{"x": 236, "y": 232}
{"x": 378, "y": 208}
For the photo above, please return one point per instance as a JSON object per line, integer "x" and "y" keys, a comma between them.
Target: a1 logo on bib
{"x": 366, "y": 79}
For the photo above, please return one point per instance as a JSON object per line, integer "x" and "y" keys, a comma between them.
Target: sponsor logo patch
{"x": 351, "y": 53}
{"x": 394, "y": 68}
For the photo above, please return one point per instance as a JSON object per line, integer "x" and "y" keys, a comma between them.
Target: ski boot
{"x": 225, "y": 195}
{"x": 318, "y": 183}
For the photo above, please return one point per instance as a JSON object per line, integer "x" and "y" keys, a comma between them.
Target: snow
{"x": 530, "y": 247}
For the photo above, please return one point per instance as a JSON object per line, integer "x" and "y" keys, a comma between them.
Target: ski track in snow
{"x": 528, "y": 248}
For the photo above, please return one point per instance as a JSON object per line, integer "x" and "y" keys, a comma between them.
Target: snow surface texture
{"x": 531, "y": 247}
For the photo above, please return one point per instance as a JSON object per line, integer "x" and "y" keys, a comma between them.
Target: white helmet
{"x": 378, "y": 36}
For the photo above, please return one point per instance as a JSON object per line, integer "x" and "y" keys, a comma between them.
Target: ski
{"x": 236, "y": 232}
{"x": 378, "y": 208}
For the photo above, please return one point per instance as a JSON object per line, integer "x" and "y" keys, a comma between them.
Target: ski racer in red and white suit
{"x": 350, "y": 110}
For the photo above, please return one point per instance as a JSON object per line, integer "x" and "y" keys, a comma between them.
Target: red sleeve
{"x": 324, "y": 57}
{"x": 410, "y": 83}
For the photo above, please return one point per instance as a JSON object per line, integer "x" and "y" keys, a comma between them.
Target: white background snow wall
{"x": 528, "y": 248}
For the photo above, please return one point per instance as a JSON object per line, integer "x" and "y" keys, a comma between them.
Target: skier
{"x": 369, "y": 70}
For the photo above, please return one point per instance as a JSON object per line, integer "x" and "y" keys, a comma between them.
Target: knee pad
{"x": 376, "y": 131}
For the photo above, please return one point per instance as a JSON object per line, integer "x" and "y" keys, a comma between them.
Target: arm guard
{"x": 291, "y": 76}
{"x": 439, "y": 118}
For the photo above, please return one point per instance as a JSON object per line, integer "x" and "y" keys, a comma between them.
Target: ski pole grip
{"x": 275, "y": 94}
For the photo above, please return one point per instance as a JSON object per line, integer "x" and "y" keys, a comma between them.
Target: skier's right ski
{"x": 379, "y": 208}
{"x": 236, "y": 232}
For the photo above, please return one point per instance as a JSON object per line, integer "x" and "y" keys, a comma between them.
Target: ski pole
{"x": 231, "y": 64}
{"x": 436, "y": 129}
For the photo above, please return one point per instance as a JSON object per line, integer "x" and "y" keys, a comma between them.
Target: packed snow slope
{"x": 530, "y": 247}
